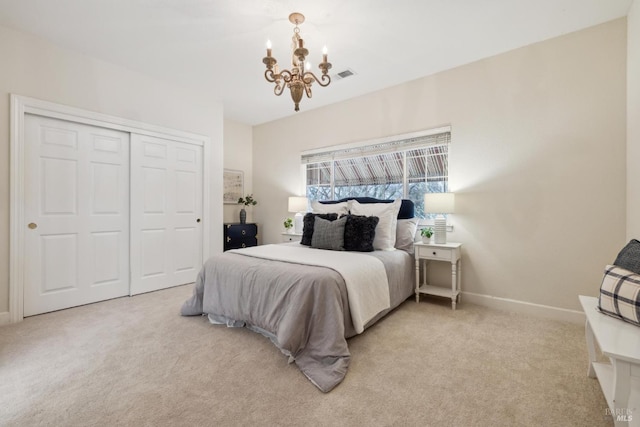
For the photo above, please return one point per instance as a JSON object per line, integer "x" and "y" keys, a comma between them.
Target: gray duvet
{"x": 303, "y": 309}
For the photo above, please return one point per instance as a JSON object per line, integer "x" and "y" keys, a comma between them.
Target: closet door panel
{"x": 59, "y": 266}
{"x": 153, "y": 251}
{"x": 187, "y": 213}
{"x": 166, "y": 206}
{"x": 107, "y": 268}
{"x": 77, "y": 208}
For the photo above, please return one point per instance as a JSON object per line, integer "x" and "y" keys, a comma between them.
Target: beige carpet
{"x": 135, "y": 361}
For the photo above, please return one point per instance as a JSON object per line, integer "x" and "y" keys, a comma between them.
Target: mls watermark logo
{"x": 619, "y": 414}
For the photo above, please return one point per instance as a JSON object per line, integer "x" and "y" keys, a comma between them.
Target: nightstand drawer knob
{"x": 434, "y": 253}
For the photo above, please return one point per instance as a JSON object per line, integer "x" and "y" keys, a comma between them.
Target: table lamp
{"x": 439, "y": 203}
{"x": 298, "y": 205}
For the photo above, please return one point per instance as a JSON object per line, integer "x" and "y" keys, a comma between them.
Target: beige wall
{"x": 633, "y": 121}
{"x": 537, "y": 159}
{"x": 238, "y": 155}
{"x": 36, "y": 68}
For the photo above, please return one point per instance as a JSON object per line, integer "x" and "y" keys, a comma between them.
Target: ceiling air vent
{"x": 343, "y": 74}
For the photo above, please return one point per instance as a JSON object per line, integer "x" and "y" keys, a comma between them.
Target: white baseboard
{"x": 545, "y": 311}
{"x": 5, "y": 318}
{"x": 539, "y": 310}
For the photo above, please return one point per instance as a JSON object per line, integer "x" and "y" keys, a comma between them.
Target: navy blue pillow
{"x": 307, "y": 225}
{"x": 359, "y": 232}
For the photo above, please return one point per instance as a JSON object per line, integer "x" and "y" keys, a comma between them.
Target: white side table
{"x": 291, "y": 237}
{"x": 620, "y": 379}
{"x": 448, "y": 252}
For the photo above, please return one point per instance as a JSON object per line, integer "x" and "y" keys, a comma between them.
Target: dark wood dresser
{"x": 238, "y": 235}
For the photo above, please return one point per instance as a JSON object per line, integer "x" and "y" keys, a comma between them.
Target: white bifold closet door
{"x": 77, "y": 211}
{"x": 166, "y": 212}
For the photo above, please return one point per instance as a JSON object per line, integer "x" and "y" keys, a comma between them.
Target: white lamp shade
{"x": 298, "y": 204}
{"x": 439, "y": 203}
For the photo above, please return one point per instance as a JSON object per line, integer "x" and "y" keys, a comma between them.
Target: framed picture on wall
{"x": 233, "y": 186}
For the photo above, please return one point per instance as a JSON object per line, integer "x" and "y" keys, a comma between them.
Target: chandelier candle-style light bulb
{"x": 298, "y": 79}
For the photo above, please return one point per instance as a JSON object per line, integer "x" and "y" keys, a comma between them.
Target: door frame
{"x": 21, "y": 105}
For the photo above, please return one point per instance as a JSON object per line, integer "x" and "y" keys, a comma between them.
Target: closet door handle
{"x": 198, "y": 220}
{"x": 32, "y": 225}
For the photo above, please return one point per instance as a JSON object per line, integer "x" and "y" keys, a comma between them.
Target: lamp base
{"x": 440, "y": 230}
{"x": 297, "y": 223}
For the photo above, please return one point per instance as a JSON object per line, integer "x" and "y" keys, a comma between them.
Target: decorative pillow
{"x": 385, "y": 238}
{"x": 359, "y": 232}
{"x": 629, "y": 257}
{"x": 341, "y": 208}
{"x": 406, "y": 234}
{"x": 620, "y": 294}
{"x": 308, "y": 222}
{"x": 328, "y": 234}
{"x": 407, "y": 208}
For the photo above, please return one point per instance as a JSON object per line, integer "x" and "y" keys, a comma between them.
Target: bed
{"x": 307, "y": 298}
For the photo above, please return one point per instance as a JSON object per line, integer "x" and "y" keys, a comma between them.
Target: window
{"x": 401, "y": 167}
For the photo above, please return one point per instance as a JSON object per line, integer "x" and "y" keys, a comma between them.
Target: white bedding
{"x": 364, "y": 276}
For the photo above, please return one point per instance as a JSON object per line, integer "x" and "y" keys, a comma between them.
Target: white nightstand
{"x": 449, "y": 252}
{"x": 291, "y": 237}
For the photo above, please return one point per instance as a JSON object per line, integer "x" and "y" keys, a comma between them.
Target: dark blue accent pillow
{"x": 307, "y": 225}
{"x": 359, "y": 232}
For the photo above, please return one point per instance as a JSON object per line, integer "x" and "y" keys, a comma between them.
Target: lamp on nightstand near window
{"x": 298, "y": 205}
{"x": 439, "y": 203}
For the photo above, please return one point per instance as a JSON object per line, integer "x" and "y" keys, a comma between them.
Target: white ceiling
{"x": 216, "y": 46}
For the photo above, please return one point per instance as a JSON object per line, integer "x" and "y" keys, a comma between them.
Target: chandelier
{"x": 299, "y": 79}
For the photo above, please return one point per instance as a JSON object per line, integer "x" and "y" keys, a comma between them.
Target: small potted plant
{"x": 248, "y": 200}
{"x": 426, "y": 234}
{"x": 288, "y": 225}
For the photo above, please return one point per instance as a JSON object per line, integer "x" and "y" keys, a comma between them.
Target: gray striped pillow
{"x": 328, "y": 234}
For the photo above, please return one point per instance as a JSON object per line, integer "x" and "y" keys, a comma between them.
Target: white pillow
{"x": 341, "y": 208}
{"x": 388, "y": 217}
{"x": 406, "y": 234}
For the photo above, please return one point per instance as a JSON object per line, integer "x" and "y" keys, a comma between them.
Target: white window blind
{"x": 402, "y": 168}
{"x": 442, "y": 138}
